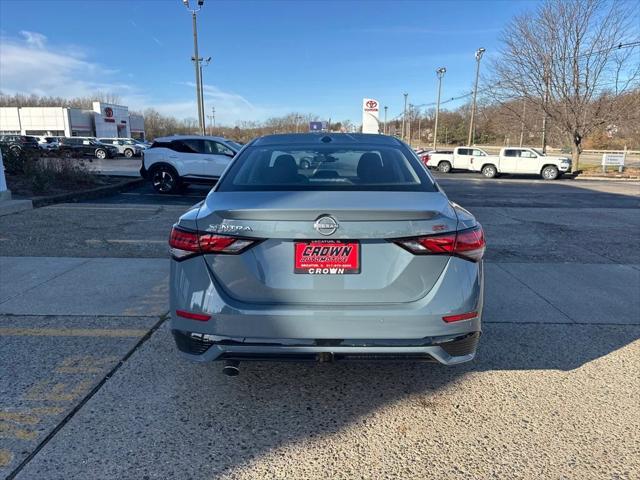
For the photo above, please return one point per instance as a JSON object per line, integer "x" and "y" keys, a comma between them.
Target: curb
{"x": 607, "y": 179}
{"x": 7, "y": 207}
{"x": 87, "y": 194}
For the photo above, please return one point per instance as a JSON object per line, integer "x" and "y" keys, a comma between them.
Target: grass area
{"x": 596, "y": 171}
{"x": 30, "y": 176}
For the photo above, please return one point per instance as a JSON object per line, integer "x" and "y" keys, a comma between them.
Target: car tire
{"x": 444, "y": 167}
{"x": 550, "y": 172}
{"x": 128, "y": 153}
{"x": 305, "y": 164}
{"x": 101, "y": 154}
{"x": 164, "y": 179}
{"x": 68, "y": 154}
{"x": 490, "y": 171}
{"x": 15, "y": 150}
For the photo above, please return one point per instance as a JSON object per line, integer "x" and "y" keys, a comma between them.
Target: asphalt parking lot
{"x": 92, "y": 386}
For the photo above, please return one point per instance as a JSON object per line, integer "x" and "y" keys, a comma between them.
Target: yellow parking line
{"x": 5, "y": 457}
{"x": 70, "y": 332}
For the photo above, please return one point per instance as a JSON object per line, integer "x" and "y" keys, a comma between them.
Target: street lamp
{"x": 479, "y": 54}
{"x": 404, "y": 115}
{"x": 440, "y": 73}
{"x": 385, "y": 120}
{"x": 196, "y": 58}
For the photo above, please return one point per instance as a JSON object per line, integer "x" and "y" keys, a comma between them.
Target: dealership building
{"x": 104, "y": 120}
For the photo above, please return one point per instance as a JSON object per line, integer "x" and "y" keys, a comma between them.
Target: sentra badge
{"x": 222, "y": 228}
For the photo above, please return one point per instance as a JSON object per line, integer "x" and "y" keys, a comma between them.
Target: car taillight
{"x": 468, "y": 244}
{"x": 186, "y": 243}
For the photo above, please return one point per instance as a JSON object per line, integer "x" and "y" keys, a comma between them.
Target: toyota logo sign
{"x": 372, "y": 104}
{"x": 108, "y": 112}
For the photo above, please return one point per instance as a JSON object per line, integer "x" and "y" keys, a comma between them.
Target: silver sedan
{"x": 361, "y": 256}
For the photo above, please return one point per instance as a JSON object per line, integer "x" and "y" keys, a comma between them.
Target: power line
{"x": 618, "y": 46}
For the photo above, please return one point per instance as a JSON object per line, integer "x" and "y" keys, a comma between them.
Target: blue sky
{"x": 269, "y": 58}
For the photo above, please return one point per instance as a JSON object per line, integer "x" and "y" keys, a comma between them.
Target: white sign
{"x": 615, "y": 159}
{"x": 370, "y": 111}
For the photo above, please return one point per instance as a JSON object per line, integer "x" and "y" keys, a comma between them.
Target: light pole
{"x": 194, "y": 12}
{"x": 479, "y": 54}
{"x": 440, "y": 73}
{"x": 212, "y": 120}
{"x": 202, "y": 62}
{"x": 206, "y": 63}
{"x": 385, "y": 120}
{"x": 404, "y": 115}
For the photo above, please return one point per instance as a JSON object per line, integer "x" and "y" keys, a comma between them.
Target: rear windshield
{"x": 361, "y": 168}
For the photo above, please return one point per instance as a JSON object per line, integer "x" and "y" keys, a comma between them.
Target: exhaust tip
{"x": 231, "y": 368}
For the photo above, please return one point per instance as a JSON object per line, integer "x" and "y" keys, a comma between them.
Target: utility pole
{"x": 404, "y": 115}
{"x": 385, "y": 119}
{"x": 544, "y": 118}
{"x": 440, "y": 73}
{"x": 213, "y": 114}
{"x": 196, "y": 58}
{"x": 471, "y": 139}
{"x": 524, "y": 111}
{"x": 419, "y": 127}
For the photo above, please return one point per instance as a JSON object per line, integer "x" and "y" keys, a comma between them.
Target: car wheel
{"x": 16, "y": 150}
{"x": 305, "y": 164}
{"x": 165, "y": 180}
{"x": 489, "y": 171}
{"x": 68, "y": 154}
{"x": 101, "y": 154}
{"x": 128, "y": 153}
{"x": 549, "y": 172}
{"x": 444, "y": 167}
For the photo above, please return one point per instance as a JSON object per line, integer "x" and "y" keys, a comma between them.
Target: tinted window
{"x": 216, "y": 148}
{"x": 188, "y": 146}
{"x": 360, "y": 168}
{"x": 464, "y": 151}
{"x": 512, "y": 153}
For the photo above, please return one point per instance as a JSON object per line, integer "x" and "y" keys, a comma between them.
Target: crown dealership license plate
{"x": 327, "y": 257}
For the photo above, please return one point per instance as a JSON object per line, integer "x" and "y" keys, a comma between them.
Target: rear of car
{"x": 440, "y": 159}
{"x": 361, "y": 256}
{"x": 20, "y": 143}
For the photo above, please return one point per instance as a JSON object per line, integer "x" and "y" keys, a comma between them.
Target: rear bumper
{"x": 448, "y": 350}
{"x": 291, "y": 331}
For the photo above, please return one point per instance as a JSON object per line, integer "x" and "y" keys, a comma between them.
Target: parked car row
{"x": 74, "y": 146}
{"x": 510, "y": 160}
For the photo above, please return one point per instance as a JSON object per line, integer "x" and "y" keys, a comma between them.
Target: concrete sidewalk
{"x": 515, "y": 292}
{"x": 83, "y": 286}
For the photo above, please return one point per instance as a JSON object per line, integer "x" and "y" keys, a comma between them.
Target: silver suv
{"x": 126, "y": 146}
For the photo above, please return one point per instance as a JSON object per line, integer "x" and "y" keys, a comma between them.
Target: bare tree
{"x": 573, "y": 60}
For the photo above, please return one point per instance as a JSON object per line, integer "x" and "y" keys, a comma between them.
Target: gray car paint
{"x": 398, "y": 295}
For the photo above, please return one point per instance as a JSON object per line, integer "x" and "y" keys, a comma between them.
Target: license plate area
{"x": 326, "y": 257}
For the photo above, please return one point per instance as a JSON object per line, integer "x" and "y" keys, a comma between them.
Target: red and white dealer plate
{"x": 327, "y": 257}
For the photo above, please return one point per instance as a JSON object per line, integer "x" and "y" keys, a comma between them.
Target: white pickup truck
{"x": 462, "y": 158}
{"x": 523, "y": 161}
